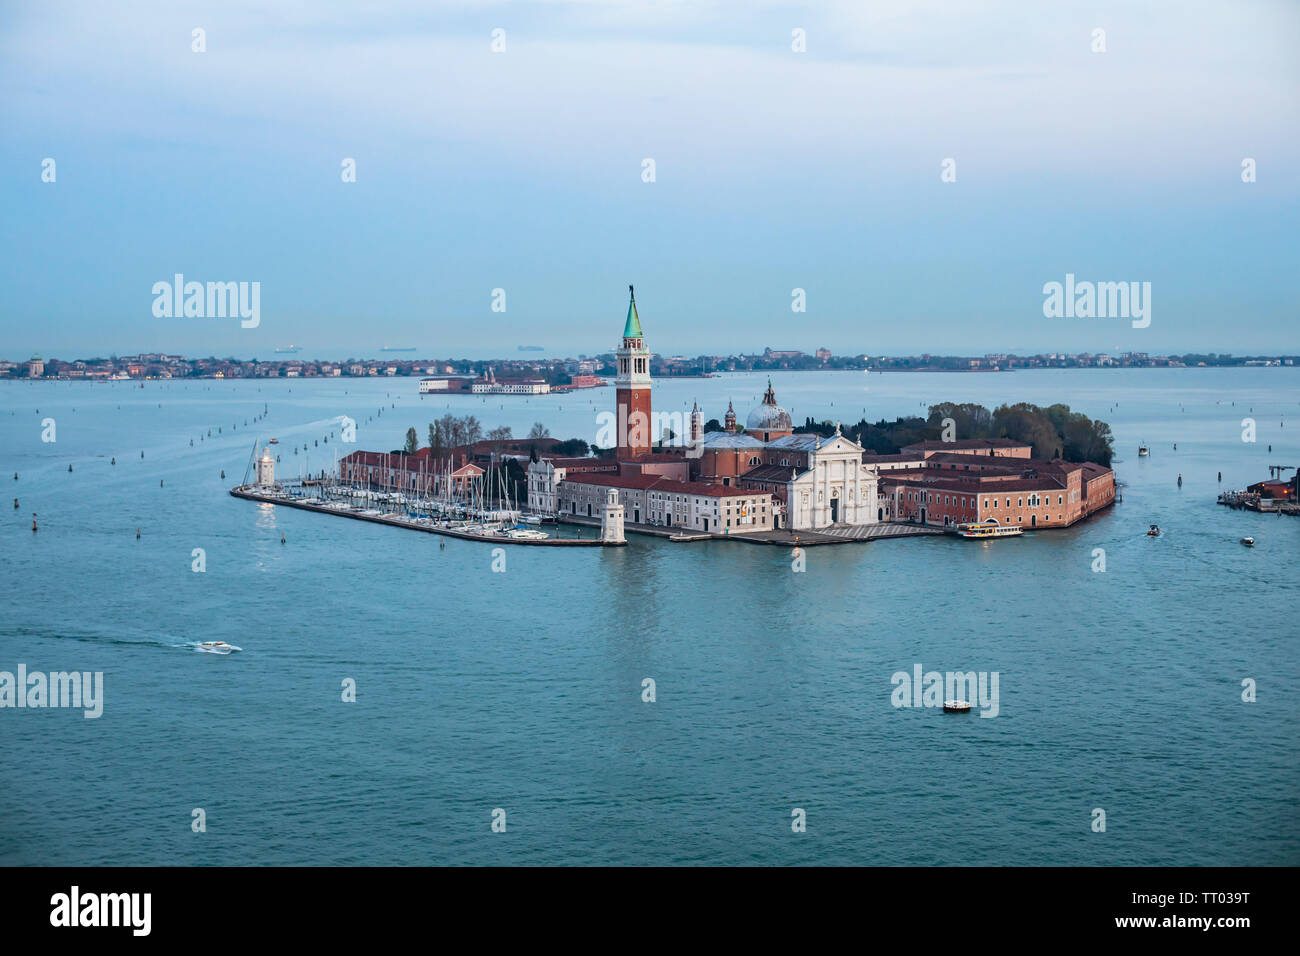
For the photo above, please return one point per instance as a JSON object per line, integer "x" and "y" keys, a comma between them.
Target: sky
{"x": 523, "y": 169}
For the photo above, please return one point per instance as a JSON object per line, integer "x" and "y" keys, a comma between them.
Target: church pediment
{"x": 838, "y": 444}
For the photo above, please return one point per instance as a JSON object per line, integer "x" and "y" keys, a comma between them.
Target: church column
{"x": 826, "y": 494}
{"x": 857, "y": 490}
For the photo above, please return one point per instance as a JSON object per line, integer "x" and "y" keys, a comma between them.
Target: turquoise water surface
{"x": 522, "y": 690}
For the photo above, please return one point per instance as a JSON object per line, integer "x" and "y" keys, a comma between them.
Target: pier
{"x": 400, "y": 520}
{"x": 1250, "y": 501}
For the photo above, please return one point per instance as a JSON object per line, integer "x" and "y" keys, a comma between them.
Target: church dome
{"x": 769, "y": 417}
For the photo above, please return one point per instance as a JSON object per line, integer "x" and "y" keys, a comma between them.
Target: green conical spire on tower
{"x": 632, "y": 330}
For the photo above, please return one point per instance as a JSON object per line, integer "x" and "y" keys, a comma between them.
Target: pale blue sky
{"x": 775, "y": 170}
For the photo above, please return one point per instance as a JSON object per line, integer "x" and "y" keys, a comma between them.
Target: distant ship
{"x": 289, "y": 351}
{"x": 530, "y": 348}
{"x": 397, "y": 348}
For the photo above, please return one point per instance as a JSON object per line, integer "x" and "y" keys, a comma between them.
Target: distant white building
{"x": 512, "y": 387}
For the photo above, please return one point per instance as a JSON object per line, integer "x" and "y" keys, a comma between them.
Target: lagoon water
{"x": 476, "y": 690}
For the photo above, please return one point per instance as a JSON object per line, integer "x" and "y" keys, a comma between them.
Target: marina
{"x": 392, "y": 510}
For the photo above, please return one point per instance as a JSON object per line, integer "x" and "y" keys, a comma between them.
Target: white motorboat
{"x": 956, "y": 706}
{"x": 216, "y": 647}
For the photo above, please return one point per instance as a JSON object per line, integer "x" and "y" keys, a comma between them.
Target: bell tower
{"x": 632, "y": 386}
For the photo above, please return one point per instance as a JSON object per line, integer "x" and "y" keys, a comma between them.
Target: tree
{"x": 572, "y": 448}
{"x": 448, "y": 431}
{"x": 712, "y": 425}
{"x": 970, "y": 420}
{"x": 1028, "y": 423}
{"x": 500, "y": 433}
{"x": 539, "y": 431}
{"x": 412, "y": 441}
{"x": 473, "y": 430}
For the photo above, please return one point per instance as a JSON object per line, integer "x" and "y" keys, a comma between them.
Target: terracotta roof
{"x": 651, "y": 458}
{"x": 973, "y": 484}
{"x": 965, "y": 443}
{"x": 388, "y": 460}
{"x": 992, "y": 465}
{"x": 869, "y": 459}
{"x": 586, "y": 464}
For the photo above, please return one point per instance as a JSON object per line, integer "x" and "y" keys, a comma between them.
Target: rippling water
{"x": 479, "y": 690}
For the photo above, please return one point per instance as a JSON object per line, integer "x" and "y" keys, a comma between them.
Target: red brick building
{"x": 1012, "y": 490}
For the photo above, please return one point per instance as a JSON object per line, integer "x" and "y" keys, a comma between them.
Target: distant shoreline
{"x": 562, "y": 390}
{"x": 216, "y": 370}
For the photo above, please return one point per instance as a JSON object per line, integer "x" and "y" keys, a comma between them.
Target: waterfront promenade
{"x": 835, "y": 534}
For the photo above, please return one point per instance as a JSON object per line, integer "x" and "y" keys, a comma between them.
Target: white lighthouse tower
{"x": 266, "y": 469}
{"x": 611, "y": 518}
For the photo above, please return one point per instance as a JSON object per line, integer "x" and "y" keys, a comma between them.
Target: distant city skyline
{"x": 524, "y": 170}
{"x": 149, "y": 364}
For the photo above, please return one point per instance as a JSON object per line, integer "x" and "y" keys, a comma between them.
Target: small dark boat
{"x": 1154, "y": 531}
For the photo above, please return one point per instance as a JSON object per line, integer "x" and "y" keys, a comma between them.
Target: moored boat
{"x": 1248, "y": 542}
{"x": 956, "y": 706}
